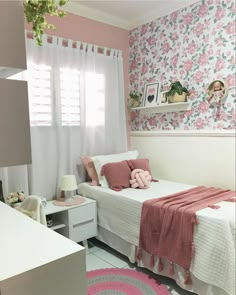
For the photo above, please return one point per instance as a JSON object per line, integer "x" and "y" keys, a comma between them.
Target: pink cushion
{"x": 90, "y": 168}
{"x": 139, "y": 164}
{"x": 117, "y": 175}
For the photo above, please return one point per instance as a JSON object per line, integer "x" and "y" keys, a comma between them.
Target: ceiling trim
{"x": 166, "y": 8}
{"x": 82, "y": 10}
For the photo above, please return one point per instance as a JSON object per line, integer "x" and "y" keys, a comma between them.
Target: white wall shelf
{"x": 167, "y": 107}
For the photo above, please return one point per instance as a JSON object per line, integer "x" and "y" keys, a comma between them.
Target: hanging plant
{"x": 35, "y": 11}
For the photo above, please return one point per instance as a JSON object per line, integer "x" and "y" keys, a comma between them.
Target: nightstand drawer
{"x": 83, "y": 222}
{"x": 83, "y": 230}
{"x": 82, "y": 213}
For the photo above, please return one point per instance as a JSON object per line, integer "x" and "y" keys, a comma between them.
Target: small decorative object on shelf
{"x": 216, "y": 92}
{"x": 135, "y": 99}
{"x": 152, "y": 94}
{"x": 14, "y": 199}
{"x": 177, "y": 93}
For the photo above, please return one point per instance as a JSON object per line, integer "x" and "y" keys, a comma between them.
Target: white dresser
{"x": 37, "y": 260}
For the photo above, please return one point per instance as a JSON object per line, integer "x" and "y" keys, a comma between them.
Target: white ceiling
{"x": 125, "y": 14}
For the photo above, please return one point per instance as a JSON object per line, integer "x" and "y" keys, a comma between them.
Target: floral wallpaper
{"x": 195, "y": 46}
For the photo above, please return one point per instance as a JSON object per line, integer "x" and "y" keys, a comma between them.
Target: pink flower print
{"x": 220, "y": 125}
{"x": 199, "y": 123}
{"x": 231, "y": 80}
{"x": 153, "y": 25}
{"x": 188, "y": 64}
{"x": 144, "y": 29}
{"x": 219, "y": 42}
{"x": 151, "y": 40}
{"x": 191, "y": 48}
{"x": 202, "y": 11}
{"x": 203, "y": 107}
{"x": 198, "y": 29}
{"x": 165, "y": 47}
{"x": 152, "y": 121}
{"x": 131, "y": 40}
{"x": 175, "y": 123}
{"x": 220, "y": 65}
{"x": 174, "y": 60}
{"x": 188, "y": 18}
{"x": 173, "y": 16}
{"x": 133, "y": 115}
{"x": 230, "y": 29}
{"x": 144, "y": 69}
{"x": 220, "y": 12}
{"x": 189, "y": 113}
{"x": 198, "y": 76}
{"x": 132, "y": 78}
{"x": 203, "y": 59}
{"x": 133, "y": 65}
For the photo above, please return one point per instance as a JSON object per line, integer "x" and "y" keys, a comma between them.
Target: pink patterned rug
{"x": 120, "y": 281}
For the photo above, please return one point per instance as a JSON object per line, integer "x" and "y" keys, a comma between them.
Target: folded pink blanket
{"x": 140, "y": 178}
{"x": 167, "y": 224}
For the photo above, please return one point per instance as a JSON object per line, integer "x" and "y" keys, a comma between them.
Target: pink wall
{"x": 83, "y": 29}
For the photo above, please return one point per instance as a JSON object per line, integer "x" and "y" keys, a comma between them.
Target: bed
{"x": 213, "y": 265}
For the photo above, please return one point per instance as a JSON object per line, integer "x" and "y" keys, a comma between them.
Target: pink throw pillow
{"x": 117, "y": 175}
{"x": 90, "y": 168}
{"x": 139, "y": 164}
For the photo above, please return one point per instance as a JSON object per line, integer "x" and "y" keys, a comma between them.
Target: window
{"x": 40, "y": 96}
{"x": 70, "y": 94}
{"x": 95, "y": 99}
{"x": 51, "y": 90}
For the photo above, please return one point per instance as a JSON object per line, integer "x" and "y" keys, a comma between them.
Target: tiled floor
{"x": 101, "y": 256}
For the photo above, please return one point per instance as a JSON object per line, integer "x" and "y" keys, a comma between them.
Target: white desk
{"x": 37, "y": 260}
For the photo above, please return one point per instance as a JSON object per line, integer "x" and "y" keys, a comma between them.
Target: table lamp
{"x": 68, "y": 186}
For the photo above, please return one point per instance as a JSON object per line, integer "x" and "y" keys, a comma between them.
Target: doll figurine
{"x": 216, "y": 92}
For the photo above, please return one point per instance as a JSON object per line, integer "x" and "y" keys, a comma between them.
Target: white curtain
{"x": 83, "y": 115}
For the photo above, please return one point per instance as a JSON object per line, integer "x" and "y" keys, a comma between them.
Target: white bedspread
{"x": 214, "y": 236}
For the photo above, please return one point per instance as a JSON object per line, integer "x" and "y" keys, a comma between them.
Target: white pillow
{"x": 99, "y": 161}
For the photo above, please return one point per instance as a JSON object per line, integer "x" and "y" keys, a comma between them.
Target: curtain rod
{"x": 65, "y": 42}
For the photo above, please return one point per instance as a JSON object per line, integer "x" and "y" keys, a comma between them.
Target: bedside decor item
{"x": 35, "y": 12}
{"x": 151, "y": 97}
{"x": 163, "y": 98}
{"x": 75, "y": 200}
{"x": 177, "y": 93}
{"x": 68, "y": 187}
{"x": 15, "y": 198}
{"x": 123, "y": 281}
{"x": 135, "y": 99}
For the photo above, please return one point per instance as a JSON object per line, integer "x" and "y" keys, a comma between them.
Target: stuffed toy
{"x": 140, "y": 179}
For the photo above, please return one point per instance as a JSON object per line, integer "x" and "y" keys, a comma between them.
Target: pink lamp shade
{"x": 68, "y": 183}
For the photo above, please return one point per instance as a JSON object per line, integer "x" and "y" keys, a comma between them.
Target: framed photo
{"x": 163, "y": 97}
{"x": 151, "y": 94}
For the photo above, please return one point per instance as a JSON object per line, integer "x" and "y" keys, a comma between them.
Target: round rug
{"x": 120, "y": 281}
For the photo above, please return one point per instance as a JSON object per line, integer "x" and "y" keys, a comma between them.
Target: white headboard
{"x": 198, "y": 158}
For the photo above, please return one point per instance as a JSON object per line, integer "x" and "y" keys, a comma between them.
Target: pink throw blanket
{"x": 167, "y": 224}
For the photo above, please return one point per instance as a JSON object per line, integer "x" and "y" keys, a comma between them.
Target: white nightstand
{"x": 77, "y": 222}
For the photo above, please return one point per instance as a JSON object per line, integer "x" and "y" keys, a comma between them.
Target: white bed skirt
{"x": 129, "y": 250}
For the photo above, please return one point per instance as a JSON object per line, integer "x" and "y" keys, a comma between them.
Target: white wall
{"x": 199, "y": 158}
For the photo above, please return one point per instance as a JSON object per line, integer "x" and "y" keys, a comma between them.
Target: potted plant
{"x": 35, "y": 11}
{"x": 135, "y": 99}
{"x": 177, "y": 93}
